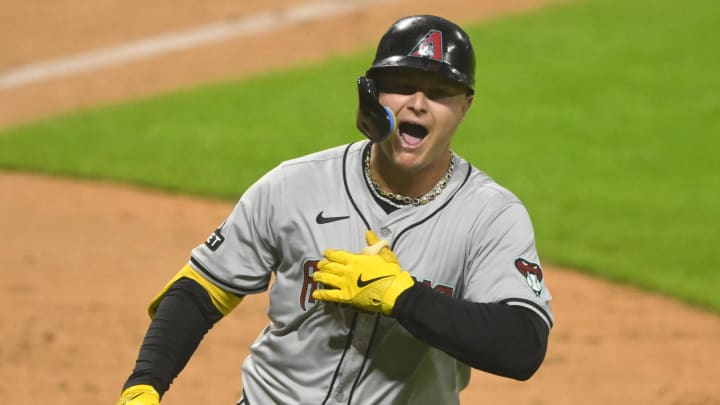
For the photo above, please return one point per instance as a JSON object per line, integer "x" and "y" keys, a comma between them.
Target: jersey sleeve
{"x": 239, "y": 256}
{"x": 504, "y": 266}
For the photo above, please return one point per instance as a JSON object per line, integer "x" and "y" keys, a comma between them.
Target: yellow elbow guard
{"x": 223, "y": 300}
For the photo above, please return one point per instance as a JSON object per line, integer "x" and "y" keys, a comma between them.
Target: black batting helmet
{"x": 430, "y": 44}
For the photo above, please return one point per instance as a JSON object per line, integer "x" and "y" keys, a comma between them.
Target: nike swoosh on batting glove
{"x": 371, "y": 280}
{"x": 139, "y": 395}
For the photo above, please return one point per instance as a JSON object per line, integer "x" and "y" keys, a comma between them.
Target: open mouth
{"x": 412, "y": 134}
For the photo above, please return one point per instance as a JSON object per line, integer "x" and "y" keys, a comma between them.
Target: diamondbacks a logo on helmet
{"x": 430, "y": 46}
{"x": 533, "y": 274}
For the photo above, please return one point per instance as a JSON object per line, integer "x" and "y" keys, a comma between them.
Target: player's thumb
{"x": 374, "y": 243}
{"x": 371, "y": 238}
{"x": 377, "y": 246}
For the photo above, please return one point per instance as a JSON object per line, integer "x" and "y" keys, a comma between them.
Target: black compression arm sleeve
{"x": 501, "y": 339}
{"x": 182, "y": 319}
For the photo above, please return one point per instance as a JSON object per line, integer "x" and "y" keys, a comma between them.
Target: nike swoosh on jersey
{"x": 320, "y": 219}
{"x": 363, "y": 283}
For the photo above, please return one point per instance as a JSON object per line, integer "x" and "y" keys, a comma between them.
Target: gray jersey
{"x": 474, "y": 242}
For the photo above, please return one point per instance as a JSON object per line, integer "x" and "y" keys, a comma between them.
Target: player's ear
{"x": 467, "y": 103}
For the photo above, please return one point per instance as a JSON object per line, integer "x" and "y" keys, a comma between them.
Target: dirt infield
{"x": 82, "y": 259}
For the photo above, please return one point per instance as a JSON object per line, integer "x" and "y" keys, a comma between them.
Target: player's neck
{"x": 413, "y": 183}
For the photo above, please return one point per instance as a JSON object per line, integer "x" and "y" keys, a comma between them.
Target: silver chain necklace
{"x": 399, "y": 200}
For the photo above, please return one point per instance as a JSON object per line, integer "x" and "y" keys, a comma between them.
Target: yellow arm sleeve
{"x": 224, "y": 301}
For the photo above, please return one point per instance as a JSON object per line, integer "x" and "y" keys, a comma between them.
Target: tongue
{"x": 410, "y": 140}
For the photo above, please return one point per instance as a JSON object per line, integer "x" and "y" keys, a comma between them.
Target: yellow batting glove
{"x": 371, "y": 280}
{"x": 139, "y": 395}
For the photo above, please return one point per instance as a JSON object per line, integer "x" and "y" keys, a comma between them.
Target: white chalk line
{"x": 153, "y": 46}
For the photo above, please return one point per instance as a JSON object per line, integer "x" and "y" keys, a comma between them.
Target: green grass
{"x": 214, "y": 140}
{"x": 603, "y": 116}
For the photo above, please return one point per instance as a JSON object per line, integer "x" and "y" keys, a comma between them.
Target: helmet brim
{"x": 444, "y": 70}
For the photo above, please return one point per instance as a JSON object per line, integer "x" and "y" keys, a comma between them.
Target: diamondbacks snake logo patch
{"x": 533, "y": 274}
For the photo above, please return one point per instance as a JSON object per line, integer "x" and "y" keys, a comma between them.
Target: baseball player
{"x": 397, "y": 264}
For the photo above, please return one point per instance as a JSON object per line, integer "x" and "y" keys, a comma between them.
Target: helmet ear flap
{"x": 374, "y": 120}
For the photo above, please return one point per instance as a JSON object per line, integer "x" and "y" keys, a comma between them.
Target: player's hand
{"x": 139, "y": 395}
{"x": 371, "y": 280}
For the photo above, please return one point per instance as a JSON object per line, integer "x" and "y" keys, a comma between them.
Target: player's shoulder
{"x": 304, "y": 172}
{"x": 483, "y": 201}
{"x": 322, "y": 165}
{"x": 484, "y": 193}
{"x": 332, "y": 154}
{"x": 482, "y": 185}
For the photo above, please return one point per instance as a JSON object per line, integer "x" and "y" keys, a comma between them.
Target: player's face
{"x": 428, "y": 111}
